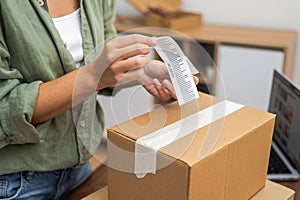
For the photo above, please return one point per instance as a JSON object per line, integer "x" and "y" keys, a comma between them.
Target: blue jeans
{"x": 42, "y": 185}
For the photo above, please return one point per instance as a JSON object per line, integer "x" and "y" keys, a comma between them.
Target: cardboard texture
{"x": 271, "y": 191}
{"x": 274, "y": 191}
{"x": 101, "y": 194}
{"x": 234, "y": 168}
{"x": 181, "y": 21}
{"x": 167, "y": 5}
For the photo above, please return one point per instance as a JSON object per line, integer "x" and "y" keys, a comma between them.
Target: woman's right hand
{"x": 119, "y": 60}
{"x": 116, "y": 64}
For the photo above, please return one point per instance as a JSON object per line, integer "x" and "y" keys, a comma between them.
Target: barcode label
{"x": 178, "y": 68}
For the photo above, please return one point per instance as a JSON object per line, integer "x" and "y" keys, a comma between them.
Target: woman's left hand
{"x": 156, "y": 80}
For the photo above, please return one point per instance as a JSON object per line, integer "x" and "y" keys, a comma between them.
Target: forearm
{"x": 57, "y": 96}
{"x": 117, "y": 65}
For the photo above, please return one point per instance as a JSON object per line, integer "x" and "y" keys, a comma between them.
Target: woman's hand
{"x": 119, "y": 62}
{"x": 156, "y": 80}
{"x": 122, "y": 61}
{"x": 116, "y": 60}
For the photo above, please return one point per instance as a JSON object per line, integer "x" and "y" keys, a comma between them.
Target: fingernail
{"x": 155, "y": 81}
{"x": 154, "y": 91}
{"x": 166, "y": 82}
{"x": 154, "y": 40}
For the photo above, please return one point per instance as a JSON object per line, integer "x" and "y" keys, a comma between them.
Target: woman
{"x": 47, "y": 92}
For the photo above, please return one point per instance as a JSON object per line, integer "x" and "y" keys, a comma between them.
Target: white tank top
{"x": 69, "y": 28}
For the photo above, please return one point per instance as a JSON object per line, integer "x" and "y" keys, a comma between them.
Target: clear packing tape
{"x": 146, "y": 147}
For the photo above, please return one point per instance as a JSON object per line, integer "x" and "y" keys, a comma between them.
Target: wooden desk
{"x": 220, "y": 34}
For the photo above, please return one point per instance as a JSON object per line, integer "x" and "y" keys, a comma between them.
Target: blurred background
{"x": 274, "y": 14}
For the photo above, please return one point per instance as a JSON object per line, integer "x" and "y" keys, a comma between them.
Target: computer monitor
{"x": 285, "y": 102}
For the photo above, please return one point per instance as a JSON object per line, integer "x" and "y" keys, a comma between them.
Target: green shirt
{"x": 32, "y": 52}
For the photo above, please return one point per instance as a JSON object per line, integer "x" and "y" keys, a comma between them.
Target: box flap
{"x": 161, "y": 117}
{"x": 166, "y": 5}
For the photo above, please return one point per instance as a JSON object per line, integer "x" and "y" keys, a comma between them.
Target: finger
{"x": 130, "y": 64}
{"x": 129, "y": 76}
{"x": 156, "y": 69}
{"x": 144, "y": 79}
{"x": 128, "y": 40}
{"x": 132, "y": 50}
{"x": 168, "y": 85}
{"x": 151, "y": 89}
{"x": 196, "y": 80}
{"x": 163, "y": 94}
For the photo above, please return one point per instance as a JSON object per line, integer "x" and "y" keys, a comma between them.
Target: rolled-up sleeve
{"x": 17, "y": 101}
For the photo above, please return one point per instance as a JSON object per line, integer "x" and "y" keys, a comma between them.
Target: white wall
{"x": 275, "y": 14}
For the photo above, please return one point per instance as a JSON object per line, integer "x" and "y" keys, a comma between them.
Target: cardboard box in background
{"x": 235, "y": 168}
{"x": 181, "y": 21}
{"x": 171, "y": 6}
{"x": 271, "y": 191}
{"x": 168, "y": 14}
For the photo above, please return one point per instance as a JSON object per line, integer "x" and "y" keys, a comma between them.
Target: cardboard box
{"x": 274, "y": 191}
{"x": 167, "y": 5}
{"x": 181, "y": 21}
{"x": 225, "y": 159}
{"x": 166, "y": 14}
{"x": 271, "y": 191}
{"x": 101, "y": 194}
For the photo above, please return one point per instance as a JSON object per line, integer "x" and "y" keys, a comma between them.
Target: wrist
{"x": 92, "y": 79}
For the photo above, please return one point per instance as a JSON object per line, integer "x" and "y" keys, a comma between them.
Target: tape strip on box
{"x": 146, "y": 147}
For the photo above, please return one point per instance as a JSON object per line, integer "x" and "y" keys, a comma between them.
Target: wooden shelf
{"x": 220, "y": 34}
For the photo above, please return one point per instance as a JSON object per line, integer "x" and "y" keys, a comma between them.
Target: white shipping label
{"x": 178, "y": 68}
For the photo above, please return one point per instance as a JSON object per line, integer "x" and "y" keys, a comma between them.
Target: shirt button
{"x": 12, "y": 140}
{"x": 41, "y": 2}
{"x": 82, "y": 123}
